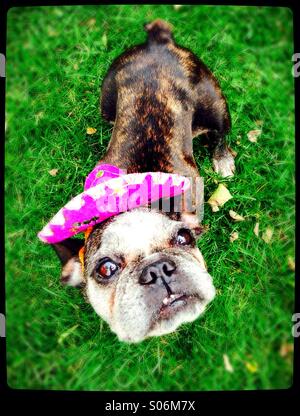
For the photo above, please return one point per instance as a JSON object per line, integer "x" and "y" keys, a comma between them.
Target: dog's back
{"x": 160, "y": 96}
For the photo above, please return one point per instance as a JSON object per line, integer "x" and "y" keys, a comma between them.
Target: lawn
{"x": 56, "y": 60}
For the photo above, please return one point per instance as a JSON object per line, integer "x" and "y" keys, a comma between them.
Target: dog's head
{"x": 143, "y": 273}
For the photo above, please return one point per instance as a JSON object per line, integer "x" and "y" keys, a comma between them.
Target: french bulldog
{"x": 143, "y": 272}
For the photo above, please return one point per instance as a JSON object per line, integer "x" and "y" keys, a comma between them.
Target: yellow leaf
{"x": 227, "y": 364}
{"x": 253, "y": 135}
{"x": 219, "y": 197}
{"x": 233, "y": 236}
{"x": 251, "y": 367}
{"x": 234, "y": 215}
{"x": 291, "y": 263}
{"x": 267, "y": 235}
{"x": 91, "y": 22}
{"x": 256, "y": 229}
{"x": 53, "y": 172}
{"x": 286, "y": 349}
{"x": 91, "y": 130}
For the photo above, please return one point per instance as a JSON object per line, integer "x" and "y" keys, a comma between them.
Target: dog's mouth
{"x": 174, "y": 303}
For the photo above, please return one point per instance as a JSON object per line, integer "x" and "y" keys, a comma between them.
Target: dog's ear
{"x": 67, "y": 252}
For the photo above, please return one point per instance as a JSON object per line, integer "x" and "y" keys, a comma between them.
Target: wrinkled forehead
{"x": 137, "y": 231}
{"x": 130, "y": 234}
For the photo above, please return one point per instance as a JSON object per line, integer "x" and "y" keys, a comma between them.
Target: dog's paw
{"x": 224, "y": 165}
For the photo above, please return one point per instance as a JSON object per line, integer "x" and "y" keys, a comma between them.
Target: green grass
{"x": 56, "y": 60}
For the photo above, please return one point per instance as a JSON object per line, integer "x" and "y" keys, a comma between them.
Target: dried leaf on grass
{"x": 227, "y": 364}
{"x": 53, "y": 172}
{"x": 291, "y": 263}
{"x": 91, "y": 130}
{"x": 91, "y": 22}
{"x": 256, "y": 229}
{"x": 267, "y": 235}
{"x": 251, "y": 367}
{"x": 219, "y": 197}
{"x": 253, "y": 135}
{"x": 234, "y": 215}
{"x": 286, "y": 349}
{"x": 233, "y": 236}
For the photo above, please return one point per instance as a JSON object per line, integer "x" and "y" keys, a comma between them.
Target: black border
{"x": 239, "y": 400}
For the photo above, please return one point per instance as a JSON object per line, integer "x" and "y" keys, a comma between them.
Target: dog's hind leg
{"x": 222, "y": 155}
{"x": 211, "y": 116}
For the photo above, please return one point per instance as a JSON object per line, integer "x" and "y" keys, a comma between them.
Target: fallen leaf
{"x": 282, "y": 236}
{"x": 267, "y": 235}
{"x": 285, "y": 349}
{"x": 234, "y": 215}
{"x": 53, "y": 172}
{"x": 219, "y": 197}
{"x": 251, "y": 367}
{"x": 227, "y": 364}
{"x": 91, "y": 130}
{"x": 233, "y": 236}
{"x": 253, "y": 135}
{"x": 91, "y": 22}
{"x": 291, "y": 263}
{"x": 256, "y": 229}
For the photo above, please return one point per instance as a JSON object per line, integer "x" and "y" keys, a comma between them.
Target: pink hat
{"x": 108, "y": 191}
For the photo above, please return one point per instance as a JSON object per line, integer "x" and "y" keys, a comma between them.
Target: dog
{"x": 143, "y": 273}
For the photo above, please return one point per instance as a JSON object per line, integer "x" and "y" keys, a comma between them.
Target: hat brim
{"x": 110, "y": 198}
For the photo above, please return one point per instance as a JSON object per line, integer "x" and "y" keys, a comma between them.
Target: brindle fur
{"x": 159, "y": 96}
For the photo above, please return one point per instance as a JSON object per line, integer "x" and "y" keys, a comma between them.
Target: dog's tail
{"x": 159, "y": 31}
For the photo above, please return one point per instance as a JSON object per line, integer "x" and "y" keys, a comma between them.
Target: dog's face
{"x": 144, "y": 274}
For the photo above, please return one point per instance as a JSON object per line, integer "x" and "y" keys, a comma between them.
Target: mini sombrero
{"x": 108, "y": 191}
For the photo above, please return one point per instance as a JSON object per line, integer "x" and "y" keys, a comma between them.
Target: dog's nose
{"x": 159, "y": 270}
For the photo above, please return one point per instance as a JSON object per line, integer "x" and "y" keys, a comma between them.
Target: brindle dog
{"x": 143, "y": 272}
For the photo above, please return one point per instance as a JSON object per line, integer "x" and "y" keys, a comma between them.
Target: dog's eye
{"x": 184, "y": 237}
{"x": 106, "y": 268}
